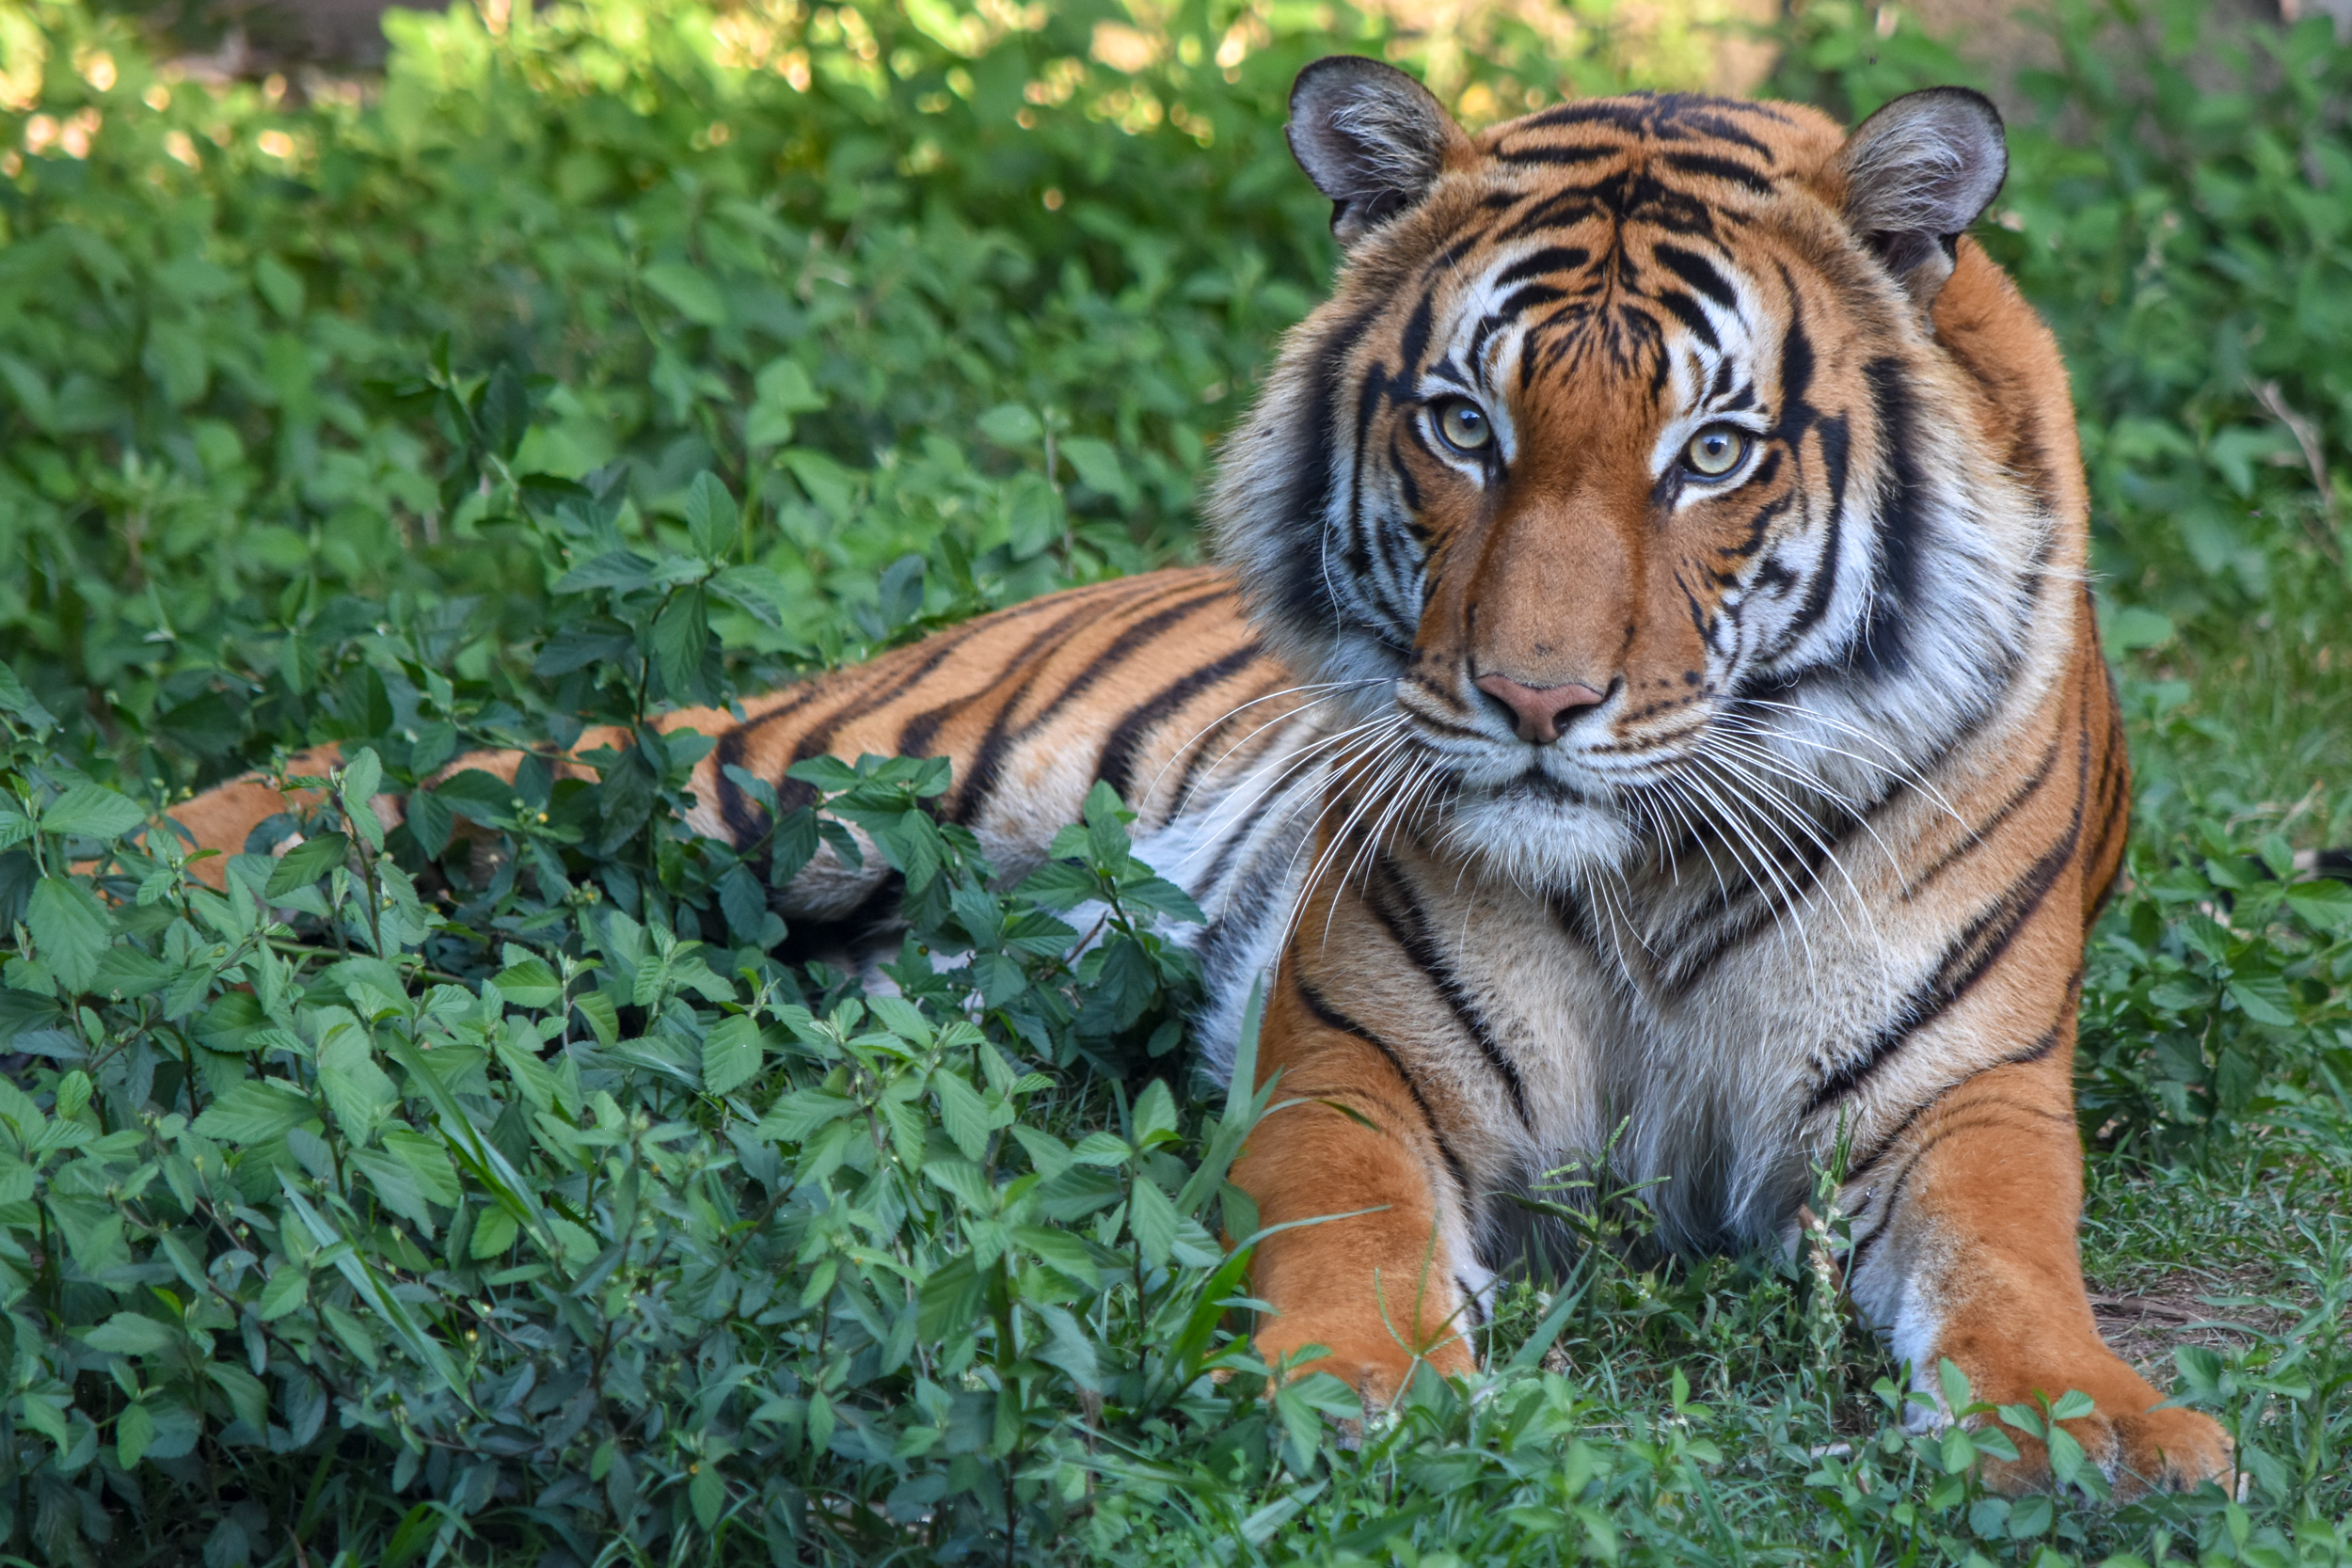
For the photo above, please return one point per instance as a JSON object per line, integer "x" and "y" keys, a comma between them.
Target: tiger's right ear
{"x": 1371, "y": 138}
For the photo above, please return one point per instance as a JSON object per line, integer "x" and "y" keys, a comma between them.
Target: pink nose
{"x": 1539, "y": 709}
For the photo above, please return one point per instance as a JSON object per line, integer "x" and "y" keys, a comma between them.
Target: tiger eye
{"x": 1716, "y": 450}
{"x": 1464, "y": 425}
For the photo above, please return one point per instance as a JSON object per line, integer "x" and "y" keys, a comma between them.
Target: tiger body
{"x": 1569, "y": 792}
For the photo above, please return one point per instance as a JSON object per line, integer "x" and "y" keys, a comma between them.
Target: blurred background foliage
{"x": 317, "y": 388}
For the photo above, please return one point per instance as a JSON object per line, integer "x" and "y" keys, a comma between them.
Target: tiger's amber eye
{"x": 1464, "y": 425}
{"x": 1716, "y": 450}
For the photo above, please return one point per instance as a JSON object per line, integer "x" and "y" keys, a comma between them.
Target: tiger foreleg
{"x": 1966, "y": 1252}
{"x": 1377, "y": 1276}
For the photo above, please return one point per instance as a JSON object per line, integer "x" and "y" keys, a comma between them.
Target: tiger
{"x": 1647, "y": 705}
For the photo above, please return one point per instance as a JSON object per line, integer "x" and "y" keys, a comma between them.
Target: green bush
{"x": 627, "y": 356}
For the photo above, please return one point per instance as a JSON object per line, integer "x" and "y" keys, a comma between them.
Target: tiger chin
{"x": 1650, "y": 702}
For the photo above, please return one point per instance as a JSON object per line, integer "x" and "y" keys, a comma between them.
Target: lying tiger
{"x": 1652, "y": 683}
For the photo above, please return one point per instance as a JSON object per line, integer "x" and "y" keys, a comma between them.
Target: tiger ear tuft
{"x": 1371, "y": 138}
{"x": 1918, "y": 172}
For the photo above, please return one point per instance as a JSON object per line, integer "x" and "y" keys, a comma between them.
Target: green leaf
{"x": 70, "y": 929}
{"x": 731, "y": 1054}
{"x": 135, "y": 1429}
{"x": 389, "y": 1308}
{"x": 16, "y": 700}
{"x": 428, "y": 1161}
{"x": 2133, "y": 627}
{"x": 1153, "y": 1221}
{"x": 961, "y": 1113}
{"x": 281, "y": 1293}
{"x": 529, "y": 984}
{"x": 305, "y": 863}
{"x": 362, "y": 774}
{"x": 681, "y": 635}
{"x": 129, "y": 1333}
{"x": 395, "y": 1186}
{"x": 2264, "y": 998}
{"x": 2072, "y": 1406}
{"x": 256, "y": 1111}
{"x": 1099, "y": 468}
{"x": 1009, "y": 424}
{"x": 358, "y": 1091}
{"x": 711, "y": 516}
{"x": 247, "y": 1400}
{"x": 2326, "y": 905}
{"x": 494, "y": 1234}
{"x": 696, "y": 298}
{"x": 92, "y": 810}
{"x": 708, "y": 1492}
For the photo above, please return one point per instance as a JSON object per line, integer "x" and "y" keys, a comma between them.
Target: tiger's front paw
{"x": 2138, "y": 1448}
{"x": 1367, "y": 1357}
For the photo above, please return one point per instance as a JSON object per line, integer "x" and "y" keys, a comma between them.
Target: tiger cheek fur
{"x": 1650, "y": 703}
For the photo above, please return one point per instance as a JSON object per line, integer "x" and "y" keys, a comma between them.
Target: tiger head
{"x": 1640, "y": 456}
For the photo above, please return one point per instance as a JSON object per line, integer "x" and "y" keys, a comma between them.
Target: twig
{"x": 2306, "y": 436}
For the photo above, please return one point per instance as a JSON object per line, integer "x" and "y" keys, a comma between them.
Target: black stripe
{"x": 1961, "y": 1122}
{"x": 1331, "y": 1018}
{"x": 1115, "y": 766}
{"x": 1545, "y": 262}
{"x": 1977, "y": 837}
{"x": 1686, "y": 310}
{"x": 1560, "y": 156}
{"x": 979, "y": 784}
{"x": 1900, "y": 585}
{"x": 1400, "y": 915}
{"x": 1697, "y": 271}
{"x": 2042, "y": 1046}
{"x": 1966, "y": 960}
{"x": 1730, "y": 170}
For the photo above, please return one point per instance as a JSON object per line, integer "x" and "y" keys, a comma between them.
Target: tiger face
{"x": 1622, "y": 477}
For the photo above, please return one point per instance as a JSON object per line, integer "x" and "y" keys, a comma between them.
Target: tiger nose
{"x": 1539, "y": 709}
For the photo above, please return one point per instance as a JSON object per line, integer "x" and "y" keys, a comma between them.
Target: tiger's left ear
{"x": 1918, "y": 172}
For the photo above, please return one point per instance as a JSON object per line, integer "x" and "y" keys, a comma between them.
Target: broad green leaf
{"x": 135, "y": 1429}
{"x": 281, "y": 1293}
{"x": 307, "y": 862}
{"x": 427, "y": 1161}
{"x": 395, "y": 1186}
{"x": 70, "y": 929}
{"x": 92, "y": 810}
{"x": 711, "y": 516}
{"x": 256, "y": 1111}
{"x": 129, "y": 1333}
{"x": 1153, "y": 1221}
{"x": 529, "y": 984}
{"x": 2326, "y": 905}
{"x": 494, "y": 1234}
{"x": 731, "y": 1054}
{"x": 696, "y": 298}
{"x": 14, "y": 697}
{"x": 358, "y": 1092}
{"x": 1009, "y": 424}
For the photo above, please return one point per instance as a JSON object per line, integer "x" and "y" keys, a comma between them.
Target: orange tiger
{"x": 1651, "y": 686}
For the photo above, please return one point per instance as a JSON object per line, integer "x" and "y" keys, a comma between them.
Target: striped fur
{"x": 1811, "y": 870}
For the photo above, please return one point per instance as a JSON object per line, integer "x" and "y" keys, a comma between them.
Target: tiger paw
{"x": 2137, "y": 1446}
